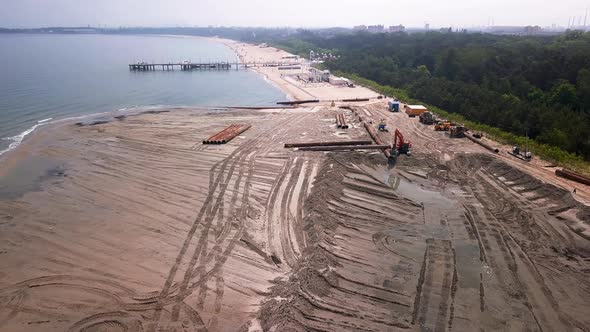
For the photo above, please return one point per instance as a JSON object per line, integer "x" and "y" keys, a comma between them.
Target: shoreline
{"x": 144, "y": 216}
{"x": 142, "y": 227}
{"x": 20, "y": 138}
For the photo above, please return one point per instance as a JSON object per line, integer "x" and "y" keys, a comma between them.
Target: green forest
{"x": 533, "y": 85}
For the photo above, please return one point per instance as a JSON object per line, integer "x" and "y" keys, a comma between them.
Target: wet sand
{"x": 141, "y": 227}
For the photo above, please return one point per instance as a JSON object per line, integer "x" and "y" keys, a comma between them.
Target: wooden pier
{"x": 189, "y": 66}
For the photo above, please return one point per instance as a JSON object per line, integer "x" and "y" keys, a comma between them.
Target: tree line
{"x": 534, "y": 85}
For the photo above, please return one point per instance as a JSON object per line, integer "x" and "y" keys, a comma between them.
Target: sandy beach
{"x": 298, "y": 91}
{"x": 135, "y": 225}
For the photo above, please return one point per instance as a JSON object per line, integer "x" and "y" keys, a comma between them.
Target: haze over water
{"x": 61, "y": 76}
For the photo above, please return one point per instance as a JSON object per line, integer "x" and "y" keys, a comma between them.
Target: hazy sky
{"x": 298, "y": 13}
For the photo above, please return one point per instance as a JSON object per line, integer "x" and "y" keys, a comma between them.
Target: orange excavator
{"x": 400, "y": 145}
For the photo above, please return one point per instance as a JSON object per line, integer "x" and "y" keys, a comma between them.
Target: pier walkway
{"x": 188, "y": 66}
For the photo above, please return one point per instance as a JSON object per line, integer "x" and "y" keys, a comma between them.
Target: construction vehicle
{"x": 443, "y": 126}
{"x": 457, "y": 132}
{"x": 427, "y": 118}
{"x": 414, "y": 110}
{"x": 393, "y": 105}
{"x": 400, "y": 146}
{"x": 524, "y": 155}
{"x": 382, "y": 125}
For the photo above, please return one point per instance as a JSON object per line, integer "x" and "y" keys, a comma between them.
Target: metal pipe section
{"x": 340, "y": 121}
{"x": 220, "y": 134}
{"x": 337, "y": 143}
{"x": 355, "y": 99}
{"x": 346, "y": 147}
{"x": 298, "y": 102}
{"x": 565, "y": 173}
{"x": 227, "y": 134}
{"x": 376, "y": 138}
{"x": 343, "y": 124}
{"x": 235, "y": 133}
{"x": 487, "y": 146}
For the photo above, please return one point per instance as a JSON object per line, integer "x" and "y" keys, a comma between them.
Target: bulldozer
{"x": 442, "y": 126}
{"x": 426, "y": 118}
{"x": 457, "y": 132}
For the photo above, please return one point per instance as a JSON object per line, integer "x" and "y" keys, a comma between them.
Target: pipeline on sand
{"x": 566, "y": 173}
{"x": 337, "y": 143}
{"x": 340, "y": 121}
{"x": 376, "y": 138}
{"x": 345, "y": 147}
{"x": 298, "y": 102}
{"x": 227, "y": 134}
{"x": 487, "y": 146}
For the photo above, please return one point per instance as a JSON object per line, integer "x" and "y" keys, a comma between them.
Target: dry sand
{"x": 134, "y": 225}
{"x": 324, "y": 92}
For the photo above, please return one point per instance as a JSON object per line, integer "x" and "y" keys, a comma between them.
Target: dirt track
{"x": 149, "y": 230}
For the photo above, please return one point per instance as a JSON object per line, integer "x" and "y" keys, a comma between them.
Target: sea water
{"x": 46, "y": 78}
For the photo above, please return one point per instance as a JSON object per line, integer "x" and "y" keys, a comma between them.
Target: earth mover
{"x": 457, "y": 132}
{"x": 400, "y": 145}
{"x": 442, "y": 126}
{"x": 427, "y": 118}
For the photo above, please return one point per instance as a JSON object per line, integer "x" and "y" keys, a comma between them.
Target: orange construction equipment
{"x": 401, "y": 146}
{"x": 443, "y": 126}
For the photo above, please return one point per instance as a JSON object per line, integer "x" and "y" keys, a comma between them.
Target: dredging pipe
{"x": 487, "y": 146}
{"x": 565, "y": 173}
{"x": 346, "y": 147}
{"x": 309, "y": 144}
{"x": 376, "y": 138}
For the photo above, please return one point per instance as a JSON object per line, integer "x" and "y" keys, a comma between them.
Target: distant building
{"x": 427, "y": 26}
{"x": 499, "y": 29}
{"x": 376, "y": 28}
{"x": 360, "y": 28}
{"x": 316, "y": 75}
{"x": 397, "y": 28}
{"x": 516, "y": 30}
{"x": 532, "y": 30}
{"x": 334, "y": 80}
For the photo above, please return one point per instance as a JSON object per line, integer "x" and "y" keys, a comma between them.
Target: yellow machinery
{"x": 443, "y": 126}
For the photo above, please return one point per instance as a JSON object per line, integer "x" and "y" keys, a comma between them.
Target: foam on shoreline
{"x": 17, "y": 139}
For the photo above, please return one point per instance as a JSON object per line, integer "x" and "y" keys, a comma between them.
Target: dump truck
{"x": 427, "y": 118}
{"x": 414, "y": 110}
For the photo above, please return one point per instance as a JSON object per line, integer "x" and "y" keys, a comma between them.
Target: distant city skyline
{"x": 301, "y": 13}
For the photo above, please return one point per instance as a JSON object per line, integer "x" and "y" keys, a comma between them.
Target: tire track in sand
{"x": 207, "y": 209}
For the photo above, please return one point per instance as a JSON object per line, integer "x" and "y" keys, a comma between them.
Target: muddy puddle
{"x": 29, "y": 175}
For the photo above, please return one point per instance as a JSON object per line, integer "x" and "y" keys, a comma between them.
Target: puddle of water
{"x": 28, "y": 175}
{"x": 468, "y": 264}
{"x": 416, "y": 193}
